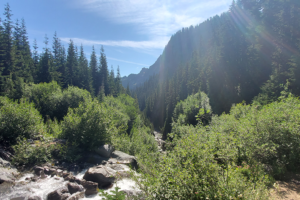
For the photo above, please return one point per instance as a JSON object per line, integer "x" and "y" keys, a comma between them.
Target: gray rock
{"x": 100, "y": 175}
{"x": 74, "y": 187}
{"x": 6, "y": 155}
{"x": 49, "y": 171}
{"x": 34, "y": 198}
{"x": 59, "y": 172}
{"x": 124, "y": 158}
{"x": 19, "y": 198}
{"x": 4, "y": 163}
{"x": 76, "y": 196}
{"x": 6, "y": 177}
{"x": 105, "y": 150}
{"x": 90, "y": 187}
{"x": 59, "y": 194}
{"x": 38, "y": 170}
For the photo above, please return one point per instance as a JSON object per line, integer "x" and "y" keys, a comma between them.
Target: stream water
{"x": 42, "y": 187}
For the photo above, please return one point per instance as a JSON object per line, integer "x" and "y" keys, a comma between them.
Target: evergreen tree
{"x": 85, "y": 75}
{"x": 94, "y": 72}
{"x": 8, "y": 62}
{"x": 45, "y": 64}
{"x": 71, "y": 72}
{"x": 104, "y": 71}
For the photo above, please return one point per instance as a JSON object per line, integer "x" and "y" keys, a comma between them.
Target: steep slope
{"x": 253, "y": 49}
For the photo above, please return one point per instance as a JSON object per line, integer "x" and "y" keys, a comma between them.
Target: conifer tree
{"x": 71, "y": 71}
{"x": 94, "y": 72}
{"x": 104, "y": 71}
{"x": 8, "y": 61}
{"x": 85, "y": 75}
{"x": 45, "y": 64}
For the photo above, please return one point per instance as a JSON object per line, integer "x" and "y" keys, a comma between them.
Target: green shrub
{"x": 138, "y": 143}
{"x": 193, "y": 107}
{"x": 267, "y": 134}
{"x": 52, "y": 102}
{"x": 125, "y": 108}
{"x": 33, "y": 154}
{"x": 193, "y": 171}
{"x": 87, "y": 126}
{"x": 19, "y": 120}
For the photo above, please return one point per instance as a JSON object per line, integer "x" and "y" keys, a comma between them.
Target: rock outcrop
{"x": 100, "y": 175}
{"x": 59, "y": 194}
{"x": 105, "y": 150}
{"x": 90, "y": 187}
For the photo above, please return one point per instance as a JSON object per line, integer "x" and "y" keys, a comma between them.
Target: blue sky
{"x": 133, "y": 32}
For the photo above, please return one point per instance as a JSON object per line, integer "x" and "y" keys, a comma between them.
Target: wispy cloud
{"x": 157, "y": 19}
{"x": 110, "y": 58}
{"x": 151, "y": 44}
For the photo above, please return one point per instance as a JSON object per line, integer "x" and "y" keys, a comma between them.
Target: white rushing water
{"x": 23, "y": 188}
{"x": 42, "y": 187}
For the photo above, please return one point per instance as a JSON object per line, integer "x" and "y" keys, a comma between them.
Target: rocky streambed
{"x": 106, "y": 169}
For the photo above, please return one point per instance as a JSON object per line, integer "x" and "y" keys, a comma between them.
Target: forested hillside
{"x": 246, "y": 53}
{"x": 19, "y": 65}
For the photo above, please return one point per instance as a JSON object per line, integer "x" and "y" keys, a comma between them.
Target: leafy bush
{"x": 186, "y": 111}
{"x": 87, "y": 126}
{"x": 33, "y": 154}
{"x": 268, "y": 134}
{"x": 138, "y": 143}
{"x": 19, "y": 120}
{"x": 52, "y": 102}
{"x": 192, "y": 171}
{"x": 125, "y": 109}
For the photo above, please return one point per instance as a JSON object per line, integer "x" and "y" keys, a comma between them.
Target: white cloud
{"x": 125, "y": 61}
{"x": 151, "y": 44}
{"x": 158, "y": 19}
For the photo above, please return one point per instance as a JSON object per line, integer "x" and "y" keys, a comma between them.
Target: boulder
{"x": 105, "y": 150}
{"x": 124, "y": 158}
{"x": 77, "y": 196}
{"x": 19, "y": 198}
{"x": 6, "y": 155}
{"x": 6, "y": 177}
{"x": 34, "y": 198}
{"x": 74, "y": 187}
{"x": 100, "y": 175}
{"x": 90, "y": 187}
{"x": 49, "y": 171}
{"x": 38, "y": 170}
{"x": 4, "y": 163}
{"x": 59, "y": 172}
{"x": 59, "y": 194}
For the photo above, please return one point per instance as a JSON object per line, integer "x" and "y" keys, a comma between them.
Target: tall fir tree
{"x": 94, "y": 72}
{"x": 104, "y": 72}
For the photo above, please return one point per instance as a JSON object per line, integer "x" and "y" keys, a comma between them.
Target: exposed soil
{"x": 287, "y": 188}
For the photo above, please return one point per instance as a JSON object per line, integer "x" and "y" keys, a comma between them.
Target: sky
{"x": 132, "y": 32}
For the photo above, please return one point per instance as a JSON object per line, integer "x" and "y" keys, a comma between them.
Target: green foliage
{"x": 32, "y": 154}
{"x": 193, "y": 107}
{"x": 193, "y": 171}
{"x": 125, "y": 109}
{"x": 192, "y": 110}
{"x": 87, "y": 126}
{"x": 266, "y": 134}
{"x": 116, "y": 194}
{"x": 52, "y": 102}
{"x": 19, "y": 120}
{"x": 234, "y": 157}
